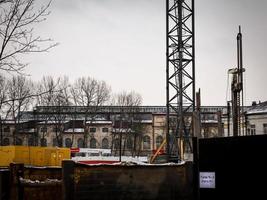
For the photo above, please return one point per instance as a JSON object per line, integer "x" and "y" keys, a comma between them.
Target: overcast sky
{"x": 123, "y": 43}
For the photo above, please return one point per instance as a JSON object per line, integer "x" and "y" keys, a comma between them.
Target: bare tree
{"x": 3, "y": 108}
{"x": 3, "y": 95}
{"x": 102, "y": 93}
{"x": 17, "y": 21}
{"x": 127, "y": 130}
{"x": 127, "y": 99}
{"x": 90, "y": 93}
{"x": 84, "y": 91}
{"x": 54, "y": 92}
{"x": 18, "y": 92}
{"x": 47, "y": 87}
{"x": 62, "y": 98}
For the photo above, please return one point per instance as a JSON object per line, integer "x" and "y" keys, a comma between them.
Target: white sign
{"x": 207, "y": 179}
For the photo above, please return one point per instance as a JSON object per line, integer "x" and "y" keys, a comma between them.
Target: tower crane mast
{"x": 180, "y": 75}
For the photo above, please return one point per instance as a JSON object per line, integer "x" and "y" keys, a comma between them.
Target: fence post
{"x": 196, "y": 168}
{"x": 16, "y": 189}
{"x": 68, "y": 179}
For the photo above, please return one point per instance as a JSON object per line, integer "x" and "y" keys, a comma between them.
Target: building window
{"x": 92, "y": 130}
{"x": 93, "y": 143}
{"x": 55, "y": 142}
{"x": 265, "y": 128}
{"x": 80, "y": 143}
{"x": 6, "y": 142}
{"x": 44, "y": 129}
{"x": 7, "y": 129}
{"x": 129, "y": 143}
{"x": 56, "y": 129}
{"x": 43, "y": 142}
{"x": 146, "y": 142}
{"x": 252, "y": 129}
{"x": 117, "y": 144}
{"x": 105, "y": 143}
{"x": 68, "y": 142}
{"x": 18, "y": 141}
{"x": 30, "y": 141}
{"x": 104, "y": 130}
{"x": 159, "y": 141}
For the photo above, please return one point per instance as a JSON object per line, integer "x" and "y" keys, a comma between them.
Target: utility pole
{"x": 180, "y": 75}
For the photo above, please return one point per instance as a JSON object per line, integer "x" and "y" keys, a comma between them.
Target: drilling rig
{"x": 237, "y": 99}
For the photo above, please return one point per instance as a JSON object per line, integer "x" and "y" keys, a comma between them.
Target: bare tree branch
{"x": 52, "y": 89}
{"x": 17, "y": 21}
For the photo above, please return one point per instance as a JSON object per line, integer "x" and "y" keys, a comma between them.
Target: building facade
{"x": 125, "y": 130}
{"x": 256, "y": 118}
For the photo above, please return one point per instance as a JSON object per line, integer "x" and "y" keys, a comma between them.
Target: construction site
{"x": 181, "y": 151}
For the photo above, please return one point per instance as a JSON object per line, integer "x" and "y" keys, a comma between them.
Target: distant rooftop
{"x": 259, "y": 108}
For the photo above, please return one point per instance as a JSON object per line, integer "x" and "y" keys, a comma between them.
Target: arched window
{"x": 159, "y": 141}
{"x": 146, "y": 142}
{"x": 67, "y": 142}
{"x": 117, "y": 144}
{"x": 93, "y": 143}
{"x": 43, "y": 142}
{"x": 129, "y": 143}
{"x": 18, "y": 141}
{"x": 105, "y": 143}
{"x": 6, "y": 142}
{"x": 80, "y": 143}
{"x": 30, "y": 141}
{"x": 55, "y": 142}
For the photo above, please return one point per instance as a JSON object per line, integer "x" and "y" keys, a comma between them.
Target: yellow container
{"x": 22, "y": 155}
{"x": 35, "y": 156}
{"x": 54, "y": 156}
{"x": 7, "y": 155}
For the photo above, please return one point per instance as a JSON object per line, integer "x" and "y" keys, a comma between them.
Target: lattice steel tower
{"x": 180, "y": 74}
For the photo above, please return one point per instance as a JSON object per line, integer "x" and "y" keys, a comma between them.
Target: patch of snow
{"x": 99, "y": 122}
{"x": 38, "y": 182}
{"x": 75, "y": 130}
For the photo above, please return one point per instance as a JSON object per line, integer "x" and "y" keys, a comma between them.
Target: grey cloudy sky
{"x": 123, "y": 43}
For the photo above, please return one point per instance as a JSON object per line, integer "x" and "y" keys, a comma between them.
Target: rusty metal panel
{"x": 44, "y": 183}
{"x": 42, "y": 192}
{"x": 35, "y": 183}
{"x": 131, "y": 182}
{"x": 43, "y": 173}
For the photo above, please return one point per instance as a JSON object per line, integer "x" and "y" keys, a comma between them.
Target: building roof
{"x": 260, "y": 108}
